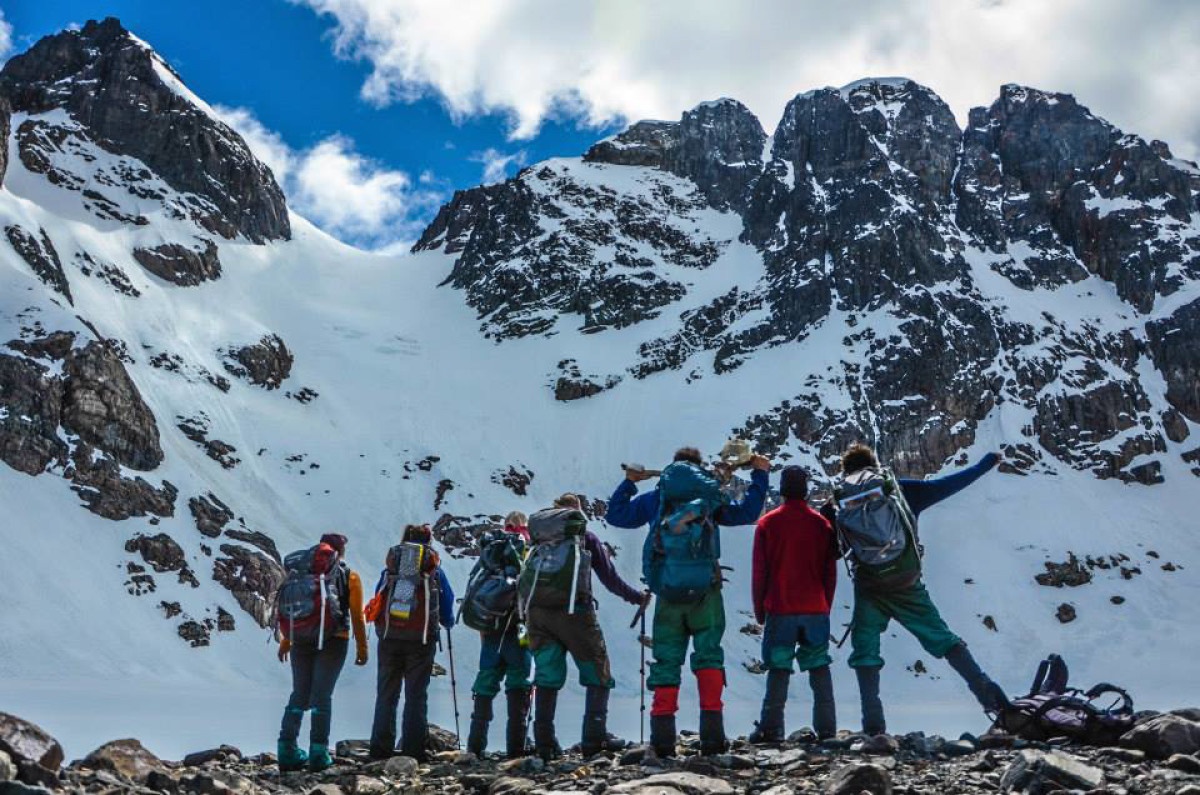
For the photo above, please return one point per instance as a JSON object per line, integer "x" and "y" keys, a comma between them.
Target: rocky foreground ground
{"x": 1159, "y": 757}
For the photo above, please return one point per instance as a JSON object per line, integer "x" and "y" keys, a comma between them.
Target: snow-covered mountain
{"x": 194, "y": 380}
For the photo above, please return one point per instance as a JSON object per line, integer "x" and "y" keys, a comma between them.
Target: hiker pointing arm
{"x": 603, "y": 567}
{"x": 922, "y": 494}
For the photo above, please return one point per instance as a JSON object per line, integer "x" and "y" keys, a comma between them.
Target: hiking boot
{"x": 712, "y": 733}
{"x": 516, "y": 741}
{"x": 595, "y": 722}
{"x": 989, "y": 694}
{"x": 481, "y": 719}
{"x": 770, "y": 725}
{"x": 872, "y": 705}
{"x": 544, "y": 740}
{"x": 319, "y": 758}
{"x": 663, "y": 736}
{"x": 820, "y": 681}
{"x": 291, "y": 757}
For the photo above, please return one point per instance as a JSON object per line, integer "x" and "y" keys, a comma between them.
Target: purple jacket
{"x": 603, "y": 568}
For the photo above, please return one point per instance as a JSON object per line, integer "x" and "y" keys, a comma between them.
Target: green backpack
{"x": 558, "y": 569}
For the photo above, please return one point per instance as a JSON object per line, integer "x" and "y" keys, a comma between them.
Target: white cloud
{"x": 496, "y": 163}
{"x": 348, "y": 195}
{"x": 6, "y": 41}
{"x": 1133, "y": 63}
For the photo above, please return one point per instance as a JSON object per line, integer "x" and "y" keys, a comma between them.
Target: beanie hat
{"x": 335, "y": 540}
{"x": 793, "y": 483}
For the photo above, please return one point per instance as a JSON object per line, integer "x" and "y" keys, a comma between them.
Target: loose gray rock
{"x": 1163, "y": 736}
{"x": 859, "y": 778}
{"x": 401, "y": 767}
{"x": 127, "y": 758}
{"x": 1035, "y": 772}
{"x": 26, "y": 742}
{"x": 673, "y": 784}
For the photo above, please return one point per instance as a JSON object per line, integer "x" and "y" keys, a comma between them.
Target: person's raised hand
{"x": 636, "y": 475}
{"x": 761, "y": 463}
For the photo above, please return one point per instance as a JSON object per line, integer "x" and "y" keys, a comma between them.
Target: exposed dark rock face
{"x": 131, "y": 101}
{"x": 5, "y": 129}
{"x": 571, "y": 384}
{"x": 256, "y": 539}
{"x": 99, "y": 483}
{"x": 210, "y": 513}
{"x": 515, "y": 480}
{"x": 181, "y": 265}
{"x": 196, "y": 429}
{"x": 252, "y": 578}
{"x": 160, "y": 551}
{"x": 1175, "y": 345}
{"x": 30, "y": 413}
{"x": 41, "y": 257}
{"x": 102, "y": 405}
{"x": 266, "y": 363}
{"x": 53, "y": 347}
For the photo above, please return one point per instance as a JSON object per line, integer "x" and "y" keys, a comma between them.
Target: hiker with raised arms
{"x": 876, "y": 516}
{"x": 555, "y": 591}
{"x": 317, "y": 606}
{"x": 681, "y": 565}
{"x": 794, "y": 579}
{"x": 490, "y": 607}
{"x": 413, "y": 597}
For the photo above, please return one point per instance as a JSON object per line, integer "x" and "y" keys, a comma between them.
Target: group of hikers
{"x": 531, "y": 598}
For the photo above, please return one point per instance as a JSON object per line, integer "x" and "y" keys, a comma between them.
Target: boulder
{"x": 127, "y": 758}
{"x": 222, "y": 753}
{"x": 26, "y": 742}
{"x": 678, "y": 783}
{"x": 401, "y": 767}
{"x": 252, "y": 578}
{"x": 1036, "y": 772}
{"x": 8, "y": 770}
{"x": 211, "y": 515}
{"x": 266, "y": 363}
{"x": 1163, "y": 736}
{"x": 859, "y": 778}
{"x": 103, "y": 406}
{"x": 160, "y": 551}
{"x": 181, "y": 265}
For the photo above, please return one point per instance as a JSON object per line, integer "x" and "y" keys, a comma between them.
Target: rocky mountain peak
{"x": 131, "y": 102}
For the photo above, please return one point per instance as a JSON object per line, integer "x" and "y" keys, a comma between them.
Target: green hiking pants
{"x": 555, "y": 633}
{"x": 703, "y": 623}
{"x": 502, "y": 660}
{"x": 910, "y": 606}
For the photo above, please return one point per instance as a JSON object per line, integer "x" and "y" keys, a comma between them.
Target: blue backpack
{"x": 681, "y": 559}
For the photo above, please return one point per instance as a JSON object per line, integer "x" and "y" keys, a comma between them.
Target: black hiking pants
{"x": 404, "y": 665}
{"x": 314, "y": 675}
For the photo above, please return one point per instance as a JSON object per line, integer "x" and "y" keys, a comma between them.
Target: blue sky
{"x": 371, "y": 112}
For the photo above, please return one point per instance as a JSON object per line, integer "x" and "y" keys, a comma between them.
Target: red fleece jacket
{"x": 795, "y": 562}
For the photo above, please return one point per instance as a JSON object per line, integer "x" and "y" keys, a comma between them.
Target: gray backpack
{"x": 874, "y": 522}
{"x": 558, "y": 570}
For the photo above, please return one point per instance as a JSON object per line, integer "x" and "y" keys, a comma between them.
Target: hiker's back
{"x": 799, "y": 550}
{"x": 490, "y": 603}
{"x": 312, "y": 603}
{"x": 411, "y": 594}
{"x": 876, "y": 528}
{"x": 684, "y": 546}
{"x": 557, "y": 574}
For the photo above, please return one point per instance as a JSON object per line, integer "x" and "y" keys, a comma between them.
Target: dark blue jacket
{"x": 922, "y": 494}
{"x": 628, "y": 509}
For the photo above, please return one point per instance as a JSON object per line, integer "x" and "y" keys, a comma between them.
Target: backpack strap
{"x": 1104, "y": 688}
{"x": 1039, "y": 679}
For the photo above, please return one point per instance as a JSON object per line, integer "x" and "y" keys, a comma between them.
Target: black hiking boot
{"x": 481, "y": 719}
{"x": 989, "y": 694}
{"x": 769, "y": 728}
{"x": 712, "y": 733}
{"x": 872, "y": 707}
{"x": 544, "y": 740}
{"x": 516, "y": 743}
{"x": 595, "y": 722}
{"x": 663, "y": 736}
{"x": 820, "y": 681}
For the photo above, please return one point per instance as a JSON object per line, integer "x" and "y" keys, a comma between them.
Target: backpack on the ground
{"x": 876, "y": 527}
{"x": 411, "y": 593}
{"x": 1055, "y": 709}
{"x": 681, "y": 562}
{"x": 491, "y": 599}
{"x": 310, "y": 605}
{"x": 558, "y": 569}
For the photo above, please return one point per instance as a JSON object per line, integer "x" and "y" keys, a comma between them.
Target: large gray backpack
{"x": 874, "y": 523}
{"x": 558, "y": 570}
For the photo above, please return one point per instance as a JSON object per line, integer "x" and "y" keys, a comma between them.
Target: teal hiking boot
{"x": 291, "y": 758}
{"x": 319, "y": 758}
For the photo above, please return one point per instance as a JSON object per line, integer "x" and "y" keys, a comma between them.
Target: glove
{"x": 646, "y": 597}
{"x": 284, "y": 648}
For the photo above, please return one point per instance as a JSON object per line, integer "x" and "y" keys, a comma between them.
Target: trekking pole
{"x": 641, "y": 616}
{"x": 453, "y": 689}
